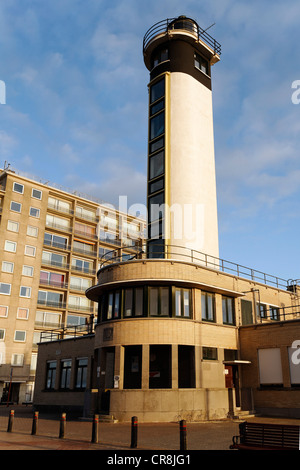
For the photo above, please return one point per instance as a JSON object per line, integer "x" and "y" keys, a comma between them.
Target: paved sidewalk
{"x": 78, "y": 434}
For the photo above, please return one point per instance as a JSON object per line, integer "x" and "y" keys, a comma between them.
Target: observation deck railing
{"x": 174, "y": 252}
{"x": 181, "y": 23}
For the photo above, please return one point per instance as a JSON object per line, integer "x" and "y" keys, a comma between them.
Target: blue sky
{"x": 76, "y": 109}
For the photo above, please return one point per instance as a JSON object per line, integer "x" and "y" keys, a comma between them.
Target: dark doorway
{"x": 160, "y": 366}
{"x": 186, "y": 367}
{"x": 133, "y": 367}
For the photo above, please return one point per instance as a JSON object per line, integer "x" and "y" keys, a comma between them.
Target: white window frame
{"x": 38, "y": 198}
{"x": 30, "y": 227}
{"x": 6, "y": 247}
{"x": 10, "y": 263}
{"x": 29, "y": 291}
{"x": 14, "y": 210}
{"x": 11, "y": 229}
{"x": 20, "y": 340}
{"x": 6, "y": 315}
{"x": 19, "y": 184}
{"x": 30, "y": 246}
{"x": 4, "y": 331}
{"x": 23, "y": 270}
{"x": 27, "y": 313}
{"x": 7, "y": 284}
{"x": 35, "y": 209}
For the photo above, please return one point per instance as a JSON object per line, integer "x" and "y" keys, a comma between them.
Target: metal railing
{"x": 291, "y": 312}
{"x": 174, "y": 252}
{"x": 181, "y": 23}
{"x": 72, "y": 331}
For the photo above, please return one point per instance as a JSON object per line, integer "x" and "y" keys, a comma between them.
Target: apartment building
{"x": 51, "y": 243}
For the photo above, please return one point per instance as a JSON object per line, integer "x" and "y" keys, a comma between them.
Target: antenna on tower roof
{"x": 209, "y": 27}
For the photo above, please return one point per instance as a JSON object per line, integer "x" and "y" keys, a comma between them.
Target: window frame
{"x": 29, "y": 291}
{"x": 6, "y": 313}
{"x": 18, "y": 184}
{"x": 27, "y": 266}
{"x": 225, "y": 311}
{"x": 13, "y": 222}
{"x": 31, "y": 227}
{"x": 8, "y": 263}
{"x": 27, "y": 313}
{"x": 20, "y": 340}
{"x": 5, "y": 284}
{"x": 6, "y": 246}
{"x": 17, "y": 204}
{"x": 182, "y": 292}
{"x": 65, "y": 374}
{"x": 50, "y": 375}
{"x": 35, "y": 197}
{"x": 38, "y": 212}
{"x": 202, "y": 62}
{"x": 209, "y": 357}
{"x": 81, "y": 375}
{"x": 34, "y": 250}
{"x": 206, "y": 316}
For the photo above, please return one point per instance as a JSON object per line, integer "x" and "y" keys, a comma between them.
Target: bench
{"x": 260, "y": 436}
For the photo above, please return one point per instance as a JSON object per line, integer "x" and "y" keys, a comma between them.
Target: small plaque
{"x": 108, "y": 334}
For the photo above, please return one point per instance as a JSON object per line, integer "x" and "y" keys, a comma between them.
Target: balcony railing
{"x": 173, "y": 252}
{"x": 291, "y": 312}
{"x": 181, "y": 23}
{"x": 52, "y": 303}
{"x": 68, "y": 332}
{"x": 63, "y": 210}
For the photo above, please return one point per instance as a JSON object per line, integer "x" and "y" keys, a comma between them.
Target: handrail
{"x": 68, "y": 331}
{"x": 174, "y": 252}
{"x": 166, "y": 25}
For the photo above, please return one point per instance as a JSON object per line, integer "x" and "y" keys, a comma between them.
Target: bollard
{"x": 35, "y": 423}
{"x": 95, "y": 429}
{"x": 134, "y": 429}
{"x": 183, "y": 445}
{"x": 62, "y": 427}
{"x": 10, "y": 421}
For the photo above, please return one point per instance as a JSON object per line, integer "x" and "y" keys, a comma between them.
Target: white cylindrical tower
{"x": 182, "y": 201}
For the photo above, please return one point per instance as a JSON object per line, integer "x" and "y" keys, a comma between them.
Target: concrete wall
{"x": 170, "y": 405}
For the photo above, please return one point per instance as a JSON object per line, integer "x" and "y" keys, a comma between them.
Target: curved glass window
{"x": 150, "y": 301}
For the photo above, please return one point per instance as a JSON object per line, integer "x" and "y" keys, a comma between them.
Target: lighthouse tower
{"x": 181, "y": 194}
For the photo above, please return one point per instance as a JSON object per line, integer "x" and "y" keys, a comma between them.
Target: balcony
{"x": 68, "y": 331}
{"x": 62, "y": 210}
{"x": 85, "y": 251}
{"x": 173, "y": 252}
{"x": 59, "y": 227}
{"x": 52, "y": 303}
{"x": 184, "y": 24}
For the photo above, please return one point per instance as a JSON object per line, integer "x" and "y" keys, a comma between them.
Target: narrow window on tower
{"x": 157, "y": 90}
{"x": 201, "y": 64}
{"x": 160, "y": 56}
{"x": 157, "y": 125}
{"x": 156, "y": 170}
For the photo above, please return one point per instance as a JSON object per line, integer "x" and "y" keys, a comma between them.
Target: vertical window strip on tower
{"x": 156, "y": 170}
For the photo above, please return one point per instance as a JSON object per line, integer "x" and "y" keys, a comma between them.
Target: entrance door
{"x": 106, "y": 377}
{"x": 232, "y": 381}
